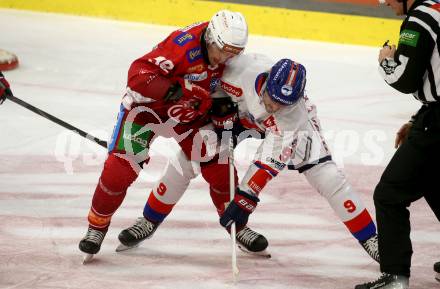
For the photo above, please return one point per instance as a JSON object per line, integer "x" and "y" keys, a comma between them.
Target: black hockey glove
{"x": 4, "y": 88}
{"x": 239, "y": 209}
{"x": 224, "y": 116}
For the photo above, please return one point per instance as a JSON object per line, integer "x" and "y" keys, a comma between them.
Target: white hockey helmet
{"x": 228, "y": 30}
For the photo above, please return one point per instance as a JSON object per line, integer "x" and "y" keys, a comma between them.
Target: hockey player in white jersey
{"x": 271, "y": 98}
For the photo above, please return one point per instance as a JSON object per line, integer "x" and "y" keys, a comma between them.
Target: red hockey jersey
{"x": 180, "y": 55}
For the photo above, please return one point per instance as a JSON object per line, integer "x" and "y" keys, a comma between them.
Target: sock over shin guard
{"x": 115, "y": 179}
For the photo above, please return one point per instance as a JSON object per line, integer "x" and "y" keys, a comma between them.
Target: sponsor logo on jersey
{"x": 259, "y": 180}
{"x": 278, "y": 165}
{"x": 136, "y": 139}
{"x": 409, "y": 37}
{"x": 271, "y": 124}
{"x": 213, "y": 84}
{"x": 230, "y": 89}
{"x": 194, "y": 54}
{"x": 196, "y": 76}
{"x": 183, "y": 38}
{"x": 196, "y": 68}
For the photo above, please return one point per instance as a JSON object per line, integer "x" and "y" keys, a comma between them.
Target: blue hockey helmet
{"x": 286, "y": 82}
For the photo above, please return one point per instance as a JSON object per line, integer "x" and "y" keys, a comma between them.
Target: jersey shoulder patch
{"x": 409, "y": 37}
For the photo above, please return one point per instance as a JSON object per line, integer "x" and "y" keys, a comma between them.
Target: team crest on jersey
{"x": 196, "y": 76}
{"x": 436, "y": 7}
{"x": 183, "y": 38}
{"x": 196, "y": 68}
{"x": 271, "y": 124}
{"x": 194, "y": 54}
{"x": 230, "y": 89}
{"x": 181, "y": 113}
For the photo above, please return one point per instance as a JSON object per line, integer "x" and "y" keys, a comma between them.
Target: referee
{"x": 413, "y": 172}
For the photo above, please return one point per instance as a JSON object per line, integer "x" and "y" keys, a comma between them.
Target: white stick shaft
{"x": 231, "y": 197}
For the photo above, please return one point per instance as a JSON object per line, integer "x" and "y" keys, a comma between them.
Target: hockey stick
{"x": 235, "y": 270}
{"x": 57, "y": 120}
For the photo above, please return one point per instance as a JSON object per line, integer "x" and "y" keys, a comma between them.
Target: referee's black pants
{"x": 413, "y": 173}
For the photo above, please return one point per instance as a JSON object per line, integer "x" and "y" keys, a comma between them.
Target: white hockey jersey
{"x": 291, "y": 134}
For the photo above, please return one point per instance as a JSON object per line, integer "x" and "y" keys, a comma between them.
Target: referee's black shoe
{"x": 386, "y": 281}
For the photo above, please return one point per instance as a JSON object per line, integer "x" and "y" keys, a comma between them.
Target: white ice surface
{"x": 75, "y": 68}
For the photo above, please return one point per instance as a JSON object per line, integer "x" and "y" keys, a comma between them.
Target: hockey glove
{"x": 195, "y": 102}
{"x": 4, "y": 88}
{"x": 224, "y": 116}
{"x": 239, "y": 209}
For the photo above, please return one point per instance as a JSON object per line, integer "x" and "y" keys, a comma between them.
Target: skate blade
{"x": 437, "y": 277}
{"x": 122, "y": 247}
{"x": 263, "y": 254}
{"x": 87, "y": 258}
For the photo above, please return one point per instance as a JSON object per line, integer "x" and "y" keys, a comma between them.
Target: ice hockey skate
{"x": 131, "y": 237}
{"x": 437, "y": 271}
{"x": 371, "y": 246}
{"x": 386, "y": 281}
{"x": 252, "y": 242}
{"x": 91, "y": 243}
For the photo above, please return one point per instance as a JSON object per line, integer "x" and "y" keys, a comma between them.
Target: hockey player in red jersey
{"x": 168, "y": 94}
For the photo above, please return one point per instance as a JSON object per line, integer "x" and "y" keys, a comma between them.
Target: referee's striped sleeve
{"x": 416, "y": 64}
